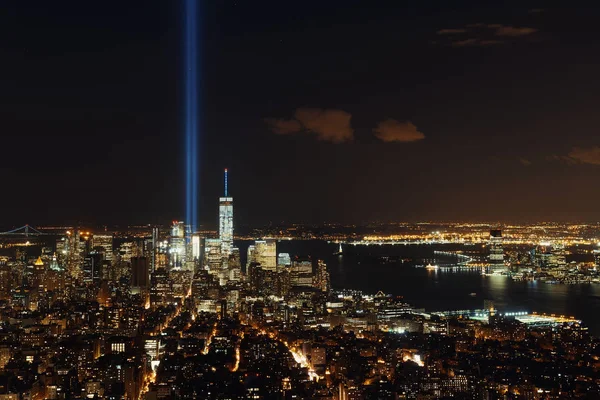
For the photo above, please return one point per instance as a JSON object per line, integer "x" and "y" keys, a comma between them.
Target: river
{"x": 366, "y": 268}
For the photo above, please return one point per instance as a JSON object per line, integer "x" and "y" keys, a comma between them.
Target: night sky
{"x": 341, "y": 111}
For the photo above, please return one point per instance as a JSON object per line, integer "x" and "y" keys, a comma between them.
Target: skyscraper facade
{"x": 212, "y": 255}
{"x": 266, "y": 254}
{"x": 106, "y": 243}
{"x": 226, "y": 222}
{"x": 140, "y": 273}
{"x": 496, "y": 249}
{"x": 177, "y": 248}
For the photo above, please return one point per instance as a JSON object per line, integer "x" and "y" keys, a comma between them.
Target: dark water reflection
{"x": 365, "y": 268}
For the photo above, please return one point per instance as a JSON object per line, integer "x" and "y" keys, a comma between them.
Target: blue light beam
{"x": 191, "y": 114}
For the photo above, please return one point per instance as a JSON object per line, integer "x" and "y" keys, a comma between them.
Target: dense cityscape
{"x": 415, "y": 208}
{"x": 172, "y": 314}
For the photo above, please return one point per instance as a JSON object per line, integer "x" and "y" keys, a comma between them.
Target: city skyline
{"x": 472, "y": 128}
{"x": 389, "y": 162}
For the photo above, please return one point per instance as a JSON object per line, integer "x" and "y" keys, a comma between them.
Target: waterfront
{"x": 367, "y": 268}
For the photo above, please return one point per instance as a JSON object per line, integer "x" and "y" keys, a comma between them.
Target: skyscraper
{"x": 196, "y": 247}
{"x": 226, "y": 222}
{"x": 155, "y": 240}
{"x": 213, "y": 259}
{"x": 140, "y": 272}
{"x": 177, "y": 250}
{"x": 265, "y": 253}
{"x": 496, "y": 249}
{"x": 106, "y": 243}
{"x": 301, "y": 273}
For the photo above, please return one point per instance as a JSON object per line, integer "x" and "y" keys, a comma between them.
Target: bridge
{"x": 24, "y": 231}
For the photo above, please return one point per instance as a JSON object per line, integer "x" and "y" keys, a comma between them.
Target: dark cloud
{"x": 465, "y": 42}
{"x": 562, "y": 159}
{"x": 451, "y": 31}
{"x": 585, "y": 155}
{"x": 283, "y": 126}
{"x": 329, "y": 125}
{"x": 480, "y": 34}
{"x": 475, "y": 42}
{"x": 392, "y": 130}
{"x": 513, "y": 31}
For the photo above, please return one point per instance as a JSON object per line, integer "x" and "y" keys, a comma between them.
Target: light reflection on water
{"x": 361, "y": 268}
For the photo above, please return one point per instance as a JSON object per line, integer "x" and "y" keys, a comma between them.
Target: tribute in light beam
{"x": 191, "y": 113}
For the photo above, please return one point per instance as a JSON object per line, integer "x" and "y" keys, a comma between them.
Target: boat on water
{"x": 429, "y": 266}
{"x": 473, "y": 294}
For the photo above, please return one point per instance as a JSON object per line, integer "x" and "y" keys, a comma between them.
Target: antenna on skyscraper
{"x": 225, "y": 182}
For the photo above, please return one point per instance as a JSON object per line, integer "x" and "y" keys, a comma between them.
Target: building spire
{"x": 225, "y": 182}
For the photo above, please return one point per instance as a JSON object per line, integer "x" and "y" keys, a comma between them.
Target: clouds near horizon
{"x": 579, "y": 155}
{"x": 480, "y": 34}
{"x": 585, "y": 155}
{"x": 334, "y": 126}
{"x": 391, "y": 130}
{"x": 329, "y": 125}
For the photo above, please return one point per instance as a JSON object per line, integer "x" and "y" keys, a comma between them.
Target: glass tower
{"x": 226, "y": 222}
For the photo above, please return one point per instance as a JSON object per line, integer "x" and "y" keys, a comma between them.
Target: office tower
{"x": 196, "y": 247}
{"x": 140, "y": 274}
{"x": 54, "y": 263}
{"x": 256, "y": 276}
{"x": 161, "y": 288}
{"x": 496, "y": 249}
{"x": 62, "y": 250}
{"x": 250, "y": 258}
{"x": 282, "y": 282}
{"x": 283, "y": 260}
{"x": 155, "y": 243}
{"x": 226, "y": 222}
{"x": 235, "y": 260}
{"x": 200, "y": 284}
{"x": 301, "y": 273}
{"x": 70, "y": 250}
{"x": 265, "y": 253}
{"x": 321, "y": 278}
{"x": 126, "y": 251}
{"x": 177, "y": 248}
{"x": 235, "y": 265}
{"x": 103, "y": 243}
{"x": 92, "y": 265}
{"x": 212, "y": 255}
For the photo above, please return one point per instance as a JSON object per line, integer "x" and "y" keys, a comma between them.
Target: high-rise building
{"x": 284, "y": 260}
{"x": 140, "y": 273}
{"x": 71, "y": 250}
{"x": 250, "y": 257}
{"x": 212, "y": 255}
{"x": 496, "y": 248}
{"x": 226, "y": 222}
{"x": 196, "y": 247}
{"x": 235, "y": 265}
{"x": 127, "y": 250}
{"x": 104, "y": 242}
{"x": 301, "y": 273}
{"x": 155, "y": 244}
{"x": 177, "y": 248}
{"x": 92, "y": 265}
{"x": 161, "y": 288}
{"x": 321, "y": 277}
{"x": 265, "y": 253}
